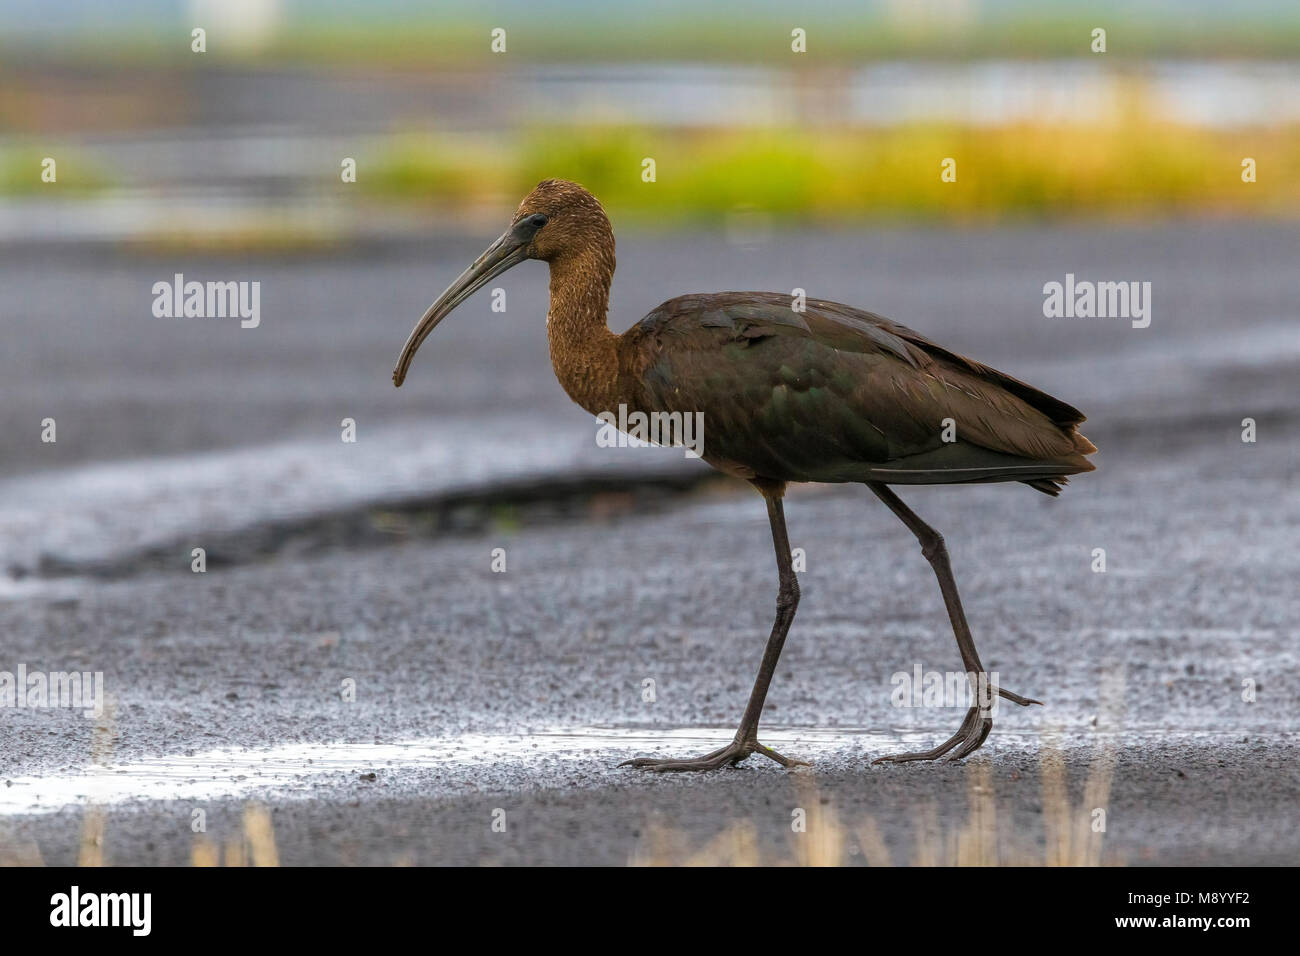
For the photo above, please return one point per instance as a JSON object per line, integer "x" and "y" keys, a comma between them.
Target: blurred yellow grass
{"x": 1072, "y": 834}
{"x": 1132, "y": 168}
{"x": 253, "y": 844}
{"x": 986, "y": 837}
{"x": 1135, "y": 167}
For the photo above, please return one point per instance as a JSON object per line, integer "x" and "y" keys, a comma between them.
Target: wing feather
{"x": 822, "y": 392}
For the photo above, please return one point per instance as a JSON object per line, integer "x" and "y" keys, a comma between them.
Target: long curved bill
{"x": 505, "y": 253}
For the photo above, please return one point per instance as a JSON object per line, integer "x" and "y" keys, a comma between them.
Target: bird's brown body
{"x": 829, "y": 393}
{"x": 790, "y": 391}
{"x": 834, "y": 394}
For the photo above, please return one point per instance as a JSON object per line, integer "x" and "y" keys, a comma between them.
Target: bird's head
{"x": 557, "y": 219}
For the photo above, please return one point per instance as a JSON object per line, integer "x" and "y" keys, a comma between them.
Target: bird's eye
{"x": 527, "y": 227}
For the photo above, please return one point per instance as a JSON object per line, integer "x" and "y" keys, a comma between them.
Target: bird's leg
{"x": 787, "y": 599}
{"x": 975, "y": 728}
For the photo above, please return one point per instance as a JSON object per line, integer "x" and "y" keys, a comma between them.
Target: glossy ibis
{"x": 827, "y": 394}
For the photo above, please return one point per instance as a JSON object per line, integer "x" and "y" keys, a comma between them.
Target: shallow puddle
{"x": 290, "y": 767}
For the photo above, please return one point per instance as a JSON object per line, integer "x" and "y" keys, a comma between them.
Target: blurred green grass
{"x": 76, "y": 174}
{"x": 1134, "y": 167}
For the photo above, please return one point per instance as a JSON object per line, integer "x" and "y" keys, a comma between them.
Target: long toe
{"x": 676, "y": 766}
{"x": 1017, "y": 699}
{"x": 934, "y": 754}
{"x": 647, "y": 762}
{"x": 729, "y": 755}
{"x": 779, "y": 758}
{"x": 973, "y": 732}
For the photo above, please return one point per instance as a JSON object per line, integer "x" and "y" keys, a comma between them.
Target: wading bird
{"x": 826, "y": 394}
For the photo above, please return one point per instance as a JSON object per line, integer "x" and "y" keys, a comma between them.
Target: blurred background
{"x": 242, "y": 144}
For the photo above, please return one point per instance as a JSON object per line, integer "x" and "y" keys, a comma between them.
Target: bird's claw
{"x": 732, "y": 754}
{"x": 970, "y": 736}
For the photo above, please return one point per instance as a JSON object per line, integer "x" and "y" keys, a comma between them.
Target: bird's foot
{"x": 732, "y": 754}
{"x": 970, "y": 736}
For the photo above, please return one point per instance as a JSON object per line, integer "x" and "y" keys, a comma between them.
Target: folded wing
{"x": 834, "y": 393}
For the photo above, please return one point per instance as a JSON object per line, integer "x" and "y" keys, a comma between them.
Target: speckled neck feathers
{"x": 584, "y": 352}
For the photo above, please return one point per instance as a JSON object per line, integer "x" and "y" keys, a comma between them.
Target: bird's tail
{"x": 1049, "y": 486}
{"x": 1077, "y": 462}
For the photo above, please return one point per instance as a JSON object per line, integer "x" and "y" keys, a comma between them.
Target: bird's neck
{"x": 584, "y": 352}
